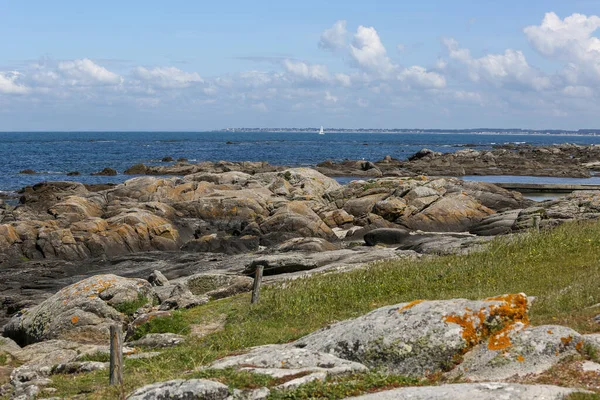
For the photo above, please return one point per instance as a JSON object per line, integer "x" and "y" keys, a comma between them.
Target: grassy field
{"x": 561, "y": 268}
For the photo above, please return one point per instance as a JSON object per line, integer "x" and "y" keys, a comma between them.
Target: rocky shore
{"x": 73, "y": 256}
{"x": 564, "y": 160}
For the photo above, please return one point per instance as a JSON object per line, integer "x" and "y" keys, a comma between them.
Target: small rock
{"x": 105, "y": 172}
{"x": 27, "y": 172}
{"x": 392, "y": 236}
{"x": 256, "y": 394}
{"x": 73, "y": 173}
{"x": 590, "y": 366}
{"x": 167, "y": 159}
{"x": 156, "y": 278}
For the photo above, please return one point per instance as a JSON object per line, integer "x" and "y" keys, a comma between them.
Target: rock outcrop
{"x": 83, "y": 311}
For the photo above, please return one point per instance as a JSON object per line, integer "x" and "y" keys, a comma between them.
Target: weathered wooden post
{"x": 116, "y": 355}
{"x": 257, "y": 282}
{"x": 536, "y": 222}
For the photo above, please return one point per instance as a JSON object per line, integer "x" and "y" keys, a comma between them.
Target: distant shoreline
{"x": 591, "y": 133}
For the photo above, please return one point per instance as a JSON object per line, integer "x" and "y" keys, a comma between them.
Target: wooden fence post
{"x": 116, "y": 355}
{"x": 257, "y": 282}
{"x": 536, "y": 222}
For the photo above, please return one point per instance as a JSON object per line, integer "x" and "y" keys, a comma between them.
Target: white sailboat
{"x": 321, "y": 131}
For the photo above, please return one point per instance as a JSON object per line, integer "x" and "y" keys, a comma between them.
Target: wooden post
{"x": 536, "y": 222}
{"x": 257, "y": 281}
{"x": 116, "y": 355}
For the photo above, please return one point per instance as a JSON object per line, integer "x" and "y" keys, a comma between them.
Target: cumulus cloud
{"x": 570, "y": 39}
{"x": 369, "y": 53}
{"x": 420, "y": 77}
{"x": 334, "y": 38}
{"x": 508, "y": 69}
{"x": 167, "y": 77}
{"x": 306, "y": 71}
{"x": 86, "y": 72}
{"x": 8, "y": 84}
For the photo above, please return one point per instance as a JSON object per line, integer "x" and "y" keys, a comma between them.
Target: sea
{"x": 53, "y": 154}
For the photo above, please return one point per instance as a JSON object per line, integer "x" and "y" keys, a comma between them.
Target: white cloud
{"x": 167, "y": 77}
{"x": 306, "y": 71}
{"x": 578, "y": 91}
{"x": 329, "y": 98}
{"x": 260, "y": 107}
{"x": 85, "y": 72}
{"x": 8, "y": 84}
{"x": 334, "y": 38}
{"x": 571, "y": 40}
{"x": 420, "y": 77}
{"x": 343, "y": 79}
{"x": 508, "y": 69}
{"x": 369, "y": 53}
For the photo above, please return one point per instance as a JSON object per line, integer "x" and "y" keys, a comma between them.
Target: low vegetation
{"x": 561, "y": 268}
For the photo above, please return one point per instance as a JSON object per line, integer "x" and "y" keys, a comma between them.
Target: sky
{"x": 199, "y": 65}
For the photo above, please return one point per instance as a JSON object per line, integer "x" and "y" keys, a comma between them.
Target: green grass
{"x": 561, "y": 268}
{"x": 583, "y": 396}
{"x": 130, "y": 307}
{"x": 176, "y": 323}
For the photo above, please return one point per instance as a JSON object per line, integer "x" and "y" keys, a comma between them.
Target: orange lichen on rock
{"x": 410, "y": 305}
{"x": 579, "y": 345}
{"x": 469, "y": 329}
{"x": 501, "y": 340}
{"x": 480, "y": 324}
{"x": 550, "y": 331}
{"x": 566, "y": 340}
{"x": 520, "y": 358}
{"x": 75, "y": 319}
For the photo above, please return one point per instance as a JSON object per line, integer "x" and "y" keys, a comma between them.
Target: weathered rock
{"x": 52, "y": 352}
{"x": 386, "y": 236}
{"x": 306, "y": 244}
{"x": 9, "y": 346}
{"x": 296, "y": 217}
{"x": 282, "y": 360}
{"x": 517, "y": 351}
{"x": 158, "y": 340}
{"x": 420, "y": 337}
{"x": 215, "y": 243}
{"x": 27, "y": 172}
{"x": 453, "y": 213}
{"x": 83, "y": 311}
{"x": 179, "y": 296}
{"x": 217, "y": 286}
{"x": 281, "y": 264}
{"x": 137, "y": 169}
{"x": 473, "y": 391}
{"x": 156, "y": 278}
{"x": 193, "y": 389}
{"x": 105, "y": 172}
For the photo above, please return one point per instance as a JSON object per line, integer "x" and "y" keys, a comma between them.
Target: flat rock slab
{"x": 474, "y": 391}
{"x": 417, "y": 338}
{"x": 158, "y": 340}
{"x": 193, "y": 389}
{"x": 282, "y": 360}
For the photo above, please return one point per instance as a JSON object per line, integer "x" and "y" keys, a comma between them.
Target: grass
{"x": 561, "y": 268}
{"x": 130, "y": 307}
{"x": 176, "y": 323}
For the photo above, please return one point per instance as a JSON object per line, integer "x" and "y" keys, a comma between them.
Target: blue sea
{"x": 54, "y": 154}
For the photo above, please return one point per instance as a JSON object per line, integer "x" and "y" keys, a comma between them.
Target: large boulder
{"x": 418, "y": 338}
{"x": 81, "y": 312}
{"x": 456, "y": 212}
{"x": 298, "y": 218}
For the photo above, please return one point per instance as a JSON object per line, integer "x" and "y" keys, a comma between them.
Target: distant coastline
{"x": 476, "y": 131}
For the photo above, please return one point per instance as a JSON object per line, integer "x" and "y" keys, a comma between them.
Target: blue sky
{"x": 189, "y": 65}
